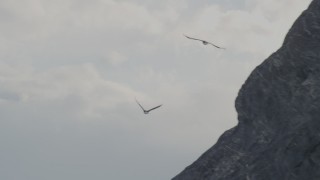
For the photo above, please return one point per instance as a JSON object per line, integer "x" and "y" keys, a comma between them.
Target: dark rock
{"x": 278, "y": 134}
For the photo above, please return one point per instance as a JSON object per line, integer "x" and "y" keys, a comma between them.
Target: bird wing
{"x": 154, "y": 108}
{"x": 216, "y": 46}
{"x": 140, "y": 105}
{"x": 192, "y": 38}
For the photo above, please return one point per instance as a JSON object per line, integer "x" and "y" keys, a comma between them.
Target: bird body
{"x": 204, "y": 42}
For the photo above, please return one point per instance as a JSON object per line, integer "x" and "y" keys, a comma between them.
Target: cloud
{"x": 116, "y": 58}
{"x": 264, "y": 23}
{"x": 82, "y": 82}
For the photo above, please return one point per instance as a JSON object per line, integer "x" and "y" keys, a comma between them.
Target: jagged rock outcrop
{"x": 278, "y": 134}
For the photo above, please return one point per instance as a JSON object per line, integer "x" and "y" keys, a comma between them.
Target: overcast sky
{"x": 70, "y": 71}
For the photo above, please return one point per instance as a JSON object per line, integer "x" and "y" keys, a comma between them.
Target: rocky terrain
{"x": 278, "y": 134}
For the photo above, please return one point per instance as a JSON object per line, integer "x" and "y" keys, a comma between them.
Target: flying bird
{"x": 147, "y": 111}
{"x": 204, "y": 42}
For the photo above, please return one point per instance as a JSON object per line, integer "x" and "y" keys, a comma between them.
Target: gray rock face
{"x": 278, "y": 135}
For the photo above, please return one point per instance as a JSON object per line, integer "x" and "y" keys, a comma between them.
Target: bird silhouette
{"x": 147, "y": 111}
{"x": 204, "y": 42}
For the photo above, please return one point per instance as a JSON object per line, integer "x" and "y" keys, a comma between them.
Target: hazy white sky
{"x": 70, "y": 70}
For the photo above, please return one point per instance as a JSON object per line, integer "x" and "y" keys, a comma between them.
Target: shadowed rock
{"x": 278, "y": 134}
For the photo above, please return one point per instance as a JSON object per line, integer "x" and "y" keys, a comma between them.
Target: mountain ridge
{"x": 278, "y": 106}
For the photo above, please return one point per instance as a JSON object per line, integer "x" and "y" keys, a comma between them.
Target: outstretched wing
{"x": 193, "y": 38}
{"x": 154, "y": 108}
{"x": 216, "y": 46}
{"x": 140, "y": 105}
{"x": 203, "y": 41}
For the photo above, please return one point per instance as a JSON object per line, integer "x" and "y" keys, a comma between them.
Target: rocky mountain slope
{"x": 278, "y": 134}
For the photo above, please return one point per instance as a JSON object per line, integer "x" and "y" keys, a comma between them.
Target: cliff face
{"x": 278, "y": 135}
